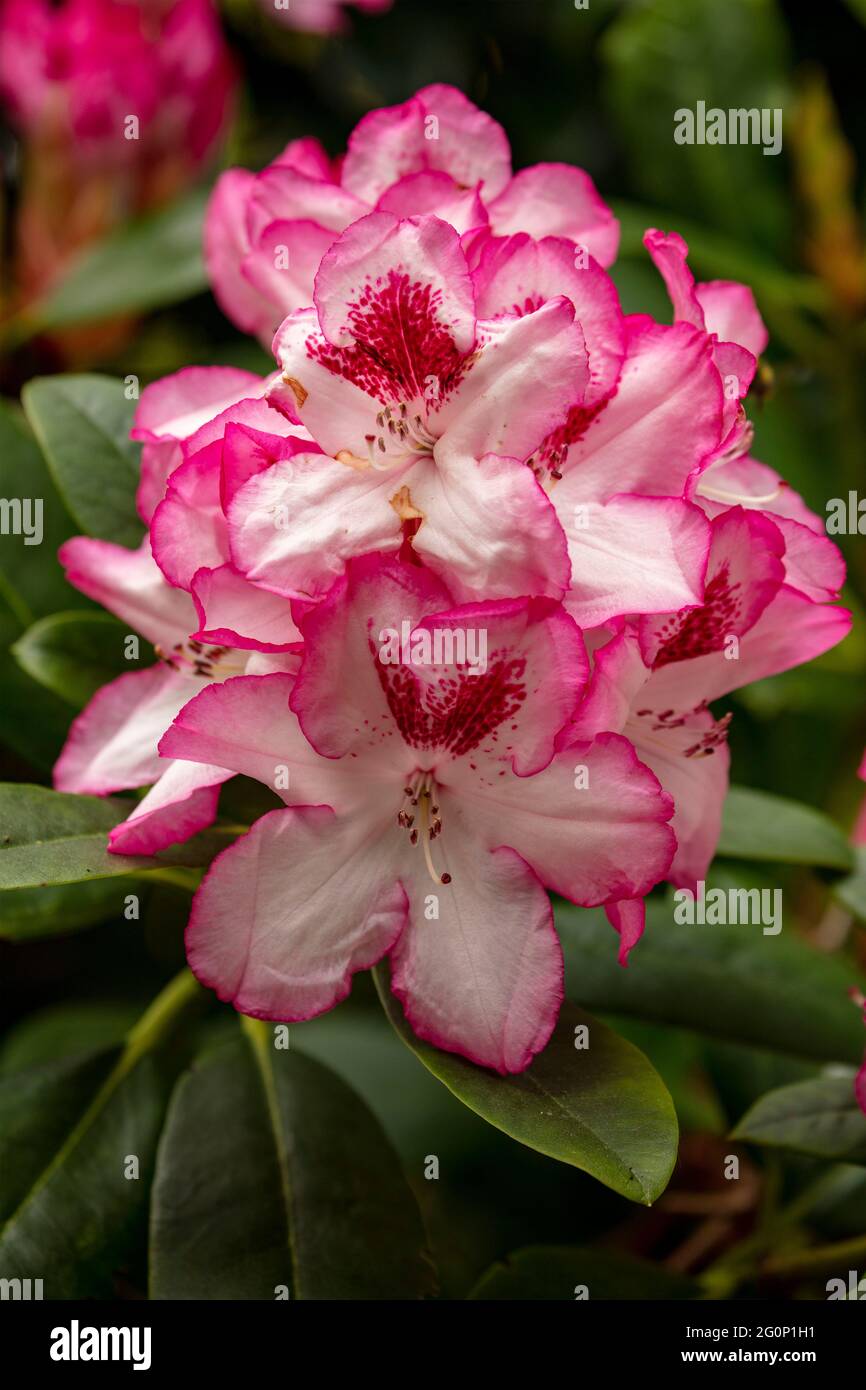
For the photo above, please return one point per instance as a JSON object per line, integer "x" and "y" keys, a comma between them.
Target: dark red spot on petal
{"x": 457, "y": 710}
{"x": 400, "y": 342}
{"x": 703, "y": 629}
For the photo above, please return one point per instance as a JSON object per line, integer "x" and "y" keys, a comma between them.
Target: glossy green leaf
{"x": 274, "y": 1180}
{"x": 49, "y": 837}
{"x": 29, "y": 914}
{"x": 65, "y": 1031}
{"x": 74, "y": 654}
{"x": 603, "y": 1108}
{"x": 31, "y": 580}
{"x": 819, "y": 1117}
{"x": 143, "y": 265}
{"x": 757, "y": 825}
{"x": 69, "y": 1130}
{"x": 851, "y": 890}
{"x": 729, "y": 981}
{"x": 40, "y": 1106}
{"x": 556, "y": 1273}
{"x": 82, "y": 424}
{"x": 33, "y": 721}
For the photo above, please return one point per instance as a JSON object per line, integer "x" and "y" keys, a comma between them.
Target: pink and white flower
{"x": 655, "y": 677}
{"x": 427, "y": 811}
{"x": 621, "y": 465}
{"x": 465, "y": 436}
{"x": 425, "y": 414}
{"x": 206, "y": 431}
{"x": 113, "y": 744}
{"x": 437, "y": 153}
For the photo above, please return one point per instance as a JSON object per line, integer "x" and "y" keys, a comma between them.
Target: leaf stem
{"x": 158, "y": 1020}
{"x": 818, "y": 1259}
{"x": 186, "y": 879}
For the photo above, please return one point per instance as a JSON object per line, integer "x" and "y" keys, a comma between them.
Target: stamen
{"x": 429, "y": 826}
{"x": 398, "y": 437}
{"x": 191, "y": 658}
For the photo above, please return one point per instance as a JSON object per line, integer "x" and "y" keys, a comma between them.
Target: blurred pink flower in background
{"x": 319, "y": 16}
{"x": 117, "y": 103}
{"x": 86, "y": 67}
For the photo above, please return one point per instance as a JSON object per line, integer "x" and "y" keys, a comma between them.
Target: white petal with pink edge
{"x": 483, "y": 976}
{"x": 130, "y": 584}
{"x": 112, "y": 744}
{"x": 634, "y": 555}
{"x": 183, "y": 802}
{"x": 438, "y": 128}
{"x": 592, "y": 825}
{"x": 557, "y": 200}
{"x": 289, "y": 912}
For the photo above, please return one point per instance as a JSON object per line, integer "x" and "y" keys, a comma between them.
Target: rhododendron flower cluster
{"x": 460, "y": 581}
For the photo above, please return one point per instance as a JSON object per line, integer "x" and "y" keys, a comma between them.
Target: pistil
{"x": 420, "y": 798}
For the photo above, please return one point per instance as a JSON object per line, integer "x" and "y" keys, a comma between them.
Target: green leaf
{"x": 272, "y": 1173}
{"x": 602, "y": 1109}
{"x": 82, "y": 424}
{"x": 851, "y": 890}
{"x": 74, "y": 654}
{"x": 67, "y": 1131}
{"x": 144, "y": 265}
{"x": 33, "y": 721}
{"x": 756, "y": 825}
{"x": 39, "y": 1107}
{"x": 819, "y": 1117}
{"x": 553, "y": 1272}
{"x": 65, "y": 1031}
{"x": 728, "y": 981}
{"x": 51, "y": 837}
{"x": 31, "y": 581}
{"x": 29, "y": 914}
{"x": 741, "y": 1075}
